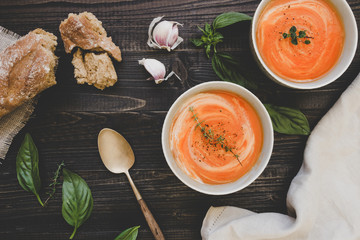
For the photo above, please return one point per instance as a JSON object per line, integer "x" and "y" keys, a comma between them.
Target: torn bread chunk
{"x": 86, "y": 32}
{"x": 94, "y": 69}
{"x": 26, "y": 68}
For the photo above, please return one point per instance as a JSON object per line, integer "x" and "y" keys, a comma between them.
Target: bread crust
{"x": 26, "y": 68}
{"x": 86, "y": 32}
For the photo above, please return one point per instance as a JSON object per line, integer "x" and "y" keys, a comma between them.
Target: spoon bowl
{"x": 115, "y": 152}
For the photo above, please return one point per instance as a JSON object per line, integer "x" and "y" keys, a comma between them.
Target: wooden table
{"x": 68, "y": 118}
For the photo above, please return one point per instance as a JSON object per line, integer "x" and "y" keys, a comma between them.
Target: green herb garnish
{"x": 293, "y": 30}
{"x": 294, "y": 37}
{"x": 213, "y": 139}
{"x": 54, "y": 182}
{"x": 294, "y": 41}
{"x": 302, "y": 34}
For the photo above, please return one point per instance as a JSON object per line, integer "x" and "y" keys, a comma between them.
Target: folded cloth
{"x": 324, "y": 198}
{"x": 12, "y": 123}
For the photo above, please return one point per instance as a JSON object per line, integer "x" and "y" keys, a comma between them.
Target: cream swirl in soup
{"x": 216, "y": 137}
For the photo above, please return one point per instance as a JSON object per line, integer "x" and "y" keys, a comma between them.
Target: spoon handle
{"x": 154, "y": 227}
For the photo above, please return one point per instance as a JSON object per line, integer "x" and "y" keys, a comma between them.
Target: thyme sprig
{"x": 209, "y": 135}
{"x": 54, "y": 182}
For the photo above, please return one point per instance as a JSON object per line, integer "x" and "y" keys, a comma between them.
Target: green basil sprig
{"x": 77, "y": 200}
{"x": 27, "y": 167}
{"x": 211, "y": 37}
{"x": 287, "y": 120}
{"x": 128, "y": 234}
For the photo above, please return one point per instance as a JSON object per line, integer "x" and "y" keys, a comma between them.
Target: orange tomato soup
{"x": 303, "y": 62}
{"x": 216, "y": 137}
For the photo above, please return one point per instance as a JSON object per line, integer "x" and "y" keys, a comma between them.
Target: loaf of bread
{"x": 26, "y": 68}
{"x": 94, "y": 69}
{"x": 85, "y": 31}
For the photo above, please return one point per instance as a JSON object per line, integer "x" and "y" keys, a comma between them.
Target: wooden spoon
{"x": 118, "y": 157}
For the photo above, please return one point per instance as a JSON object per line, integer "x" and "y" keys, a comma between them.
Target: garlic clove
{"x": 162, "y": 33}
{"x": 156, "y": 69}
{"x": 173, "y": 35}
{"x": 165, "y": 35}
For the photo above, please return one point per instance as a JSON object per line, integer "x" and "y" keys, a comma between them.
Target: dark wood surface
{"x": 68, "y": 118}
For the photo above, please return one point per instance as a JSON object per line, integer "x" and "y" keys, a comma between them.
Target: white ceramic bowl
{"x": 256, "y": 170}
{"x": 348, "y": 53}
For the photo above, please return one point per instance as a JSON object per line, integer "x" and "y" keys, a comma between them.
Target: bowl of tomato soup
{"x": 217, "y": 138}
{"x": 304, "y": 44}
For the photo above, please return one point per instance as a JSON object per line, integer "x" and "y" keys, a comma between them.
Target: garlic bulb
{"x": 165, "y": 35}
{"x": 156, "y": 69}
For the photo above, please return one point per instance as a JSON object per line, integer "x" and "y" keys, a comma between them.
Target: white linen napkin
{"x": 324, "y": 198}
{"x": 12, "y": 123}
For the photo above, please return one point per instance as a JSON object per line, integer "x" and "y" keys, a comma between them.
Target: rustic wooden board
{"x": 68, "y": 118}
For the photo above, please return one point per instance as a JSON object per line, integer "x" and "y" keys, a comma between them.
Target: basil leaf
{"x": 217, "y": 37}
{"x": 293, "y": 29}
{"x": 77, "y": 200}
{"x": 227, "y": 69}
{"x": 128, "y": 234}
{"x": 205, "y": 39}
{"x": 197, "y": 42}
{"x": 27, "y": 167}
{"x": 294, "y": 41}
{"x": 229, "y": 18}
{"x": 208, "y": 50}
{"x": 302, "y": 34}
{"x": 287, "y": 120}
{"x": 202, "y": 30}
{"x": 208, "y": 29}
